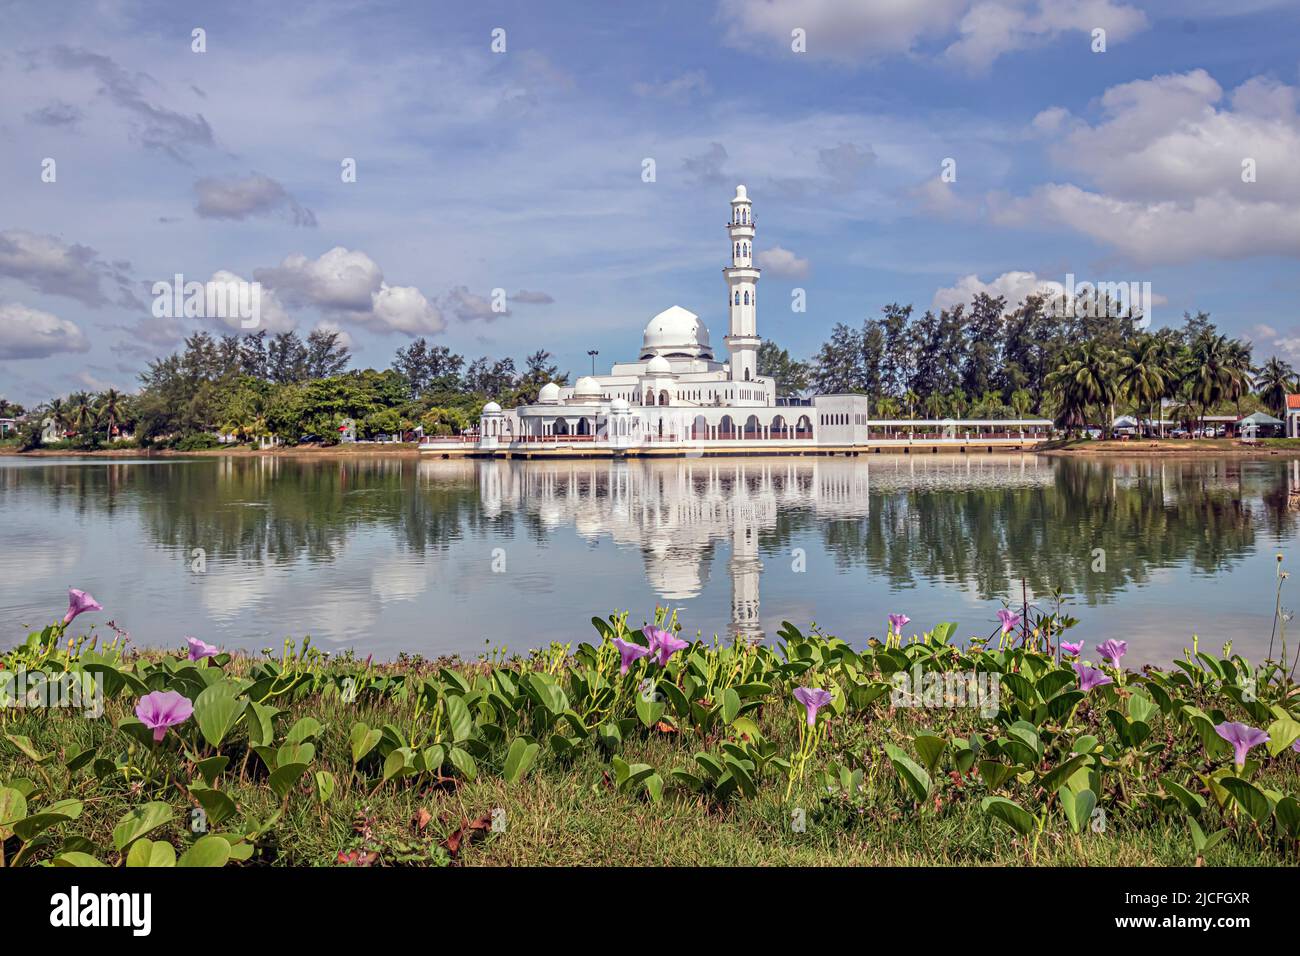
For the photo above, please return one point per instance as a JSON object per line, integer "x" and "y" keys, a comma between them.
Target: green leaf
{"x": 209, "y": 851}
{"x": 458, "y": 717}
{"x": 151, "y": 854}
{"x": 931, "y": 748}
{"x": 1287, "y": 812}
{"x": 649, "y": 710}
{"x": 398, "y": 763}
{"x": 304, "y": 729}
{"x": 1141, "y": 707}
{"x": 911, "y": 773}
{"x": 1078, "y": 807}
{"x": 324, "y": 786}
{"x": 519, "y": 758}
{"x": 76, "y": 859}
{"x": 994, "y": 773}
{"x": 216, "y": 710}
{"x": 216, "y": 804}
{"x": 362, "y": 740}
{"x": 1058, "y": 775}
{"x": 463, "y": 762}
{"x": 286, "y": 778}
{"x": 140, "y": 821}
{"x": 1282, "y": 733}
{"x": 212, "y": 768}
{"x": 730, "y": 705}
{"x": 13, "y": 807}
{"x": 1012, "y": 814}
{"x": 1250, "y": 799}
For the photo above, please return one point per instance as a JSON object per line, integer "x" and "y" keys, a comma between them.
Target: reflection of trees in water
{"x": 1144, "y": 517}
{"x": 942, "y": 526}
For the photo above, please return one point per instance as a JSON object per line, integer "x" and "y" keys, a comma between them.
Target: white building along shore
{"x": 681, "y": 397}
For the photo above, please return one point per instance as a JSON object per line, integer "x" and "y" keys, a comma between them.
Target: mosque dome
{"x": 549, "y": 394}
{"x": 676, "y": 333}
{"x": 586, "y": 387}
{"x": 491, "y": 408}
{"x": 658, "y": 366}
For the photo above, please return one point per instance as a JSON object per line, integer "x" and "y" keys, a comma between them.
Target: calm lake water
{"x": 386, "y": 555}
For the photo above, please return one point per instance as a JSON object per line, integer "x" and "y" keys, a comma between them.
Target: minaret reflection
{"x": 677, "y": 512}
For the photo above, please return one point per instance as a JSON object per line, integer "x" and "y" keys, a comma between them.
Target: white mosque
{"x": 682, "y": 397}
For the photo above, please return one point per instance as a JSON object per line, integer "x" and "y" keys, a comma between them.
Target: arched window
{"x": 747, "y": 297}
{"x": 737, "y": 250}
{"x": 746, "y": 250}
{"x": 737, "y": 297}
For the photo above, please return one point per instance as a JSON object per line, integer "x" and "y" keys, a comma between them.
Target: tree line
{"x": 1079, "y": 366}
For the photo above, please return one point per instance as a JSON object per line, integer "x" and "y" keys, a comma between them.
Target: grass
{"x": 568, "y": 812}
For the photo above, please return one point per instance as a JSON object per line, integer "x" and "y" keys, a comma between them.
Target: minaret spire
{"x": 742, "y": 291}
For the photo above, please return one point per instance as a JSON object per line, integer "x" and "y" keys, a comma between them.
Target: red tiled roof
{"x": 1293, "y": 401}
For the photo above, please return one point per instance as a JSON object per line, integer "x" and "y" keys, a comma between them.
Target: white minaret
{"x": 742, "y": 291}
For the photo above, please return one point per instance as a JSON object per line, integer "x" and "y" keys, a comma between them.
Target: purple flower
{"x": 1296, "y": 746}
{"x": 78, "y": 602}
{"x": 1242, "y": 738}
{"x": 1075, "y": 649}
{"x": 200, "y": 650}
{"x": 629, "y": 652}
{"x": 664, "y": 643}
{"x": 897, "y": 621}
{"x": 1009, "y": 620}
{"x": 1113, "y": 650}
{"x": 163, "y": 709}
{"x": 1090, "y": 677}
{"x": 813, "y": 699}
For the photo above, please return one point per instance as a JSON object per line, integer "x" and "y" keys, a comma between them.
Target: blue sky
{"x": 522, "y": 170}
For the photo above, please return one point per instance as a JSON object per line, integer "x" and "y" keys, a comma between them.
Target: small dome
{"x": 742, "y": 194}
{"x": 549, "y": 394}
{"x": 658, "y": 366}
{"x": 491, "y": 408}
{"x": 587, "y": 386}
{"x": 619, "y": 405}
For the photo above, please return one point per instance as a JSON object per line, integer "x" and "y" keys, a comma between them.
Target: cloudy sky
{"x": 523, "y": 170}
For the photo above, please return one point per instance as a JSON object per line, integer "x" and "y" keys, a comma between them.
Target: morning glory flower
{"x": 1113, "y": 650}
{"x": 1242, "y": 737}
{"x": 163, "y": 709}
{"x": 1090, "y": 677}
{"x": 629, "y": 652}
{"x": 664, "y": 643}
{"x": 200, "y": 650}
{"x": 897, "y": 621}
{"x": 813, "y": 699}
{"x": 1009, "y": 620}
{"x": 79, "y": 602}
{"x": 1075, "y": 649}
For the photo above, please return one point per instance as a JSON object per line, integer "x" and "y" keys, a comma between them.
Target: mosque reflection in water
{"x": 677, "y": 511}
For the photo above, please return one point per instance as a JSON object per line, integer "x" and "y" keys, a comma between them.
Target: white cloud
{"x": 1166, "y": 160}
{"x": 782, "y": 263}
{"x": 344, "y": 339}
{"x": 271, "y": 314}
{"x": 27, "y": 333}
{"x": 48, "y": 264}
{"x": 254, "y": 195}
{"x": 1015, "y": 287}
{"x": 403, "y": 309}
{"x": 341, "y": 279}
{"x": 680, "y": 87}
{"x": 972, "y": 33}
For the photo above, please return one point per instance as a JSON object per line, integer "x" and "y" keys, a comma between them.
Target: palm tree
{"x": 1021, "y": 402}
{"x": 110, "y": 408}
{"x": 1083, "y": 380}
{"x": 934, "y": 405}
{"x": 83, "y": 414}
{"x": 1241, "y": 372}
{"x": 58, "y": 415}
{"x": 1275, "y": 381}
{"x": 1140, "y": 376}
{"x": 910, "y": 401}
{"x": 1215, "y": 368}
{"x": 887, "y": 408}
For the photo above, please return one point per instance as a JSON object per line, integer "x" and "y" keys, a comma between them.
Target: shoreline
{"x": 1097, "y": 449}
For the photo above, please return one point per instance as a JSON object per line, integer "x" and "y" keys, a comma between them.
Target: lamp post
{"x": 593, "y": 353}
